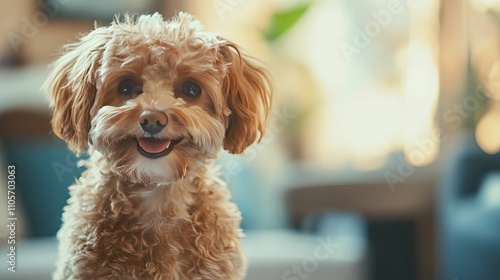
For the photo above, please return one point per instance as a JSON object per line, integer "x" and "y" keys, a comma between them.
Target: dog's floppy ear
{"x": 247, "y": 88}
{"x": 71, "y": 84}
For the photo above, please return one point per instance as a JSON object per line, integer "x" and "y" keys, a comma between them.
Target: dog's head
{"x": 157, "y": 98}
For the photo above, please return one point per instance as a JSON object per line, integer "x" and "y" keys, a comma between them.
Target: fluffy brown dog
{"x": 153, "y": 102}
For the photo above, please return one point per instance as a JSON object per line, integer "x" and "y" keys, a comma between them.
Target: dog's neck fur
{"x": 170, "y": 199}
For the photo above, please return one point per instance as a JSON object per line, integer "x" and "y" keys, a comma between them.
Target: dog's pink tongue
{"x": 153, "y": 146}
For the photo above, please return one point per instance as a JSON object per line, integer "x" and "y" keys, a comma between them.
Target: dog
{"x": 153, "y": 102}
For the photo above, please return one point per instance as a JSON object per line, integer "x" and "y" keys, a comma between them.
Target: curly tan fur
{"x": 132, "y": 216}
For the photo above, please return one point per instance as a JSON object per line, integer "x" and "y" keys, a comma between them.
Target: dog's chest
{"x": 154, "y": 230}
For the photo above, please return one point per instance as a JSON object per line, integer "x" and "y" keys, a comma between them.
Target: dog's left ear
{"x": 248, "y": 93}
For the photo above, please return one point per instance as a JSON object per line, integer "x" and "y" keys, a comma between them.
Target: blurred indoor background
{"x": 381, "y": 160}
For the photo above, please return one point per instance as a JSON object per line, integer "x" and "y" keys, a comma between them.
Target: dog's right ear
{"x": 71, "y": 84}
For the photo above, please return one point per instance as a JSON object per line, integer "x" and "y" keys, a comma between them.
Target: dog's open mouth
{"x": 155, "y": 147}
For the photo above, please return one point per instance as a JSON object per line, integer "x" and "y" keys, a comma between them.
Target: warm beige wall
{"x": 43, "y": 41}
{"x": 26, "y": 32}
{"x": 240, "y": 21}
{"x": 44, "y": 47}
{"x": 10, "y": 19}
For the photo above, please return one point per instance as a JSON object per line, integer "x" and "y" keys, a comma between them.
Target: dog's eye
{"x": 190, "y": 89}
{"x": 128, "y": 87}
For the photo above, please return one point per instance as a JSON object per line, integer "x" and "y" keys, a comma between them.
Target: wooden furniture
{"x": 405, "y": 216}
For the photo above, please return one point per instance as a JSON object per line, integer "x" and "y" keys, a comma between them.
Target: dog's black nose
{"x": 152, "y": 121}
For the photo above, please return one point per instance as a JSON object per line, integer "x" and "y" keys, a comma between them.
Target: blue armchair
{"x": 469, "y": 210}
